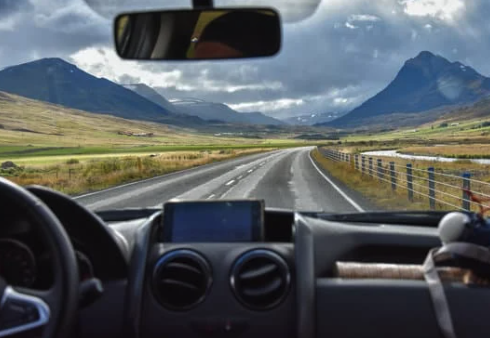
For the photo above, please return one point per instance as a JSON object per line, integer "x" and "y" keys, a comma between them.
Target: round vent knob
{"x": 181, "y": 279}
{"x": 260, "y": 279}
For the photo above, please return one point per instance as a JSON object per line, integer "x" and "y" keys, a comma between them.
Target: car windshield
{"x": 369, "y": 105}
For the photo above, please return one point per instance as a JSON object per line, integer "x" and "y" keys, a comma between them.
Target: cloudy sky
{"x": 336, "y": 53}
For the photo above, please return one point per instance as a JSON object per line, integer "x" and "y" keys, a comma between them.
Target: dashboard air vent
{"x": 260, "y": 279}
{"x": 181, "y": 279}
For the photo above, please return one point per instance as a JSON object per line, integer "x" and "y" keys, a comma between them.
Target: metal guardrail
{"x": 425, "y": 183}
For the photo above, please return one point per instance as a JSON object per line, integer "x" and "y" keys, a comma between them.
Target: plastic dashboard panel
{"x": 220, "y": 302}
{"x": 384, "y": 308}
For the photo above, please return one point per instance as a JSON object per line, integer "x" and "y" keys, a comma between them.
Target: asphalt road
{"x": 284, "y": 179}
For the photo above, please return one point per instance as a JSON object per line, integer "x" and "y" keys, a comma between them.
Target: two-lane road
{"x": 284, "y": 179}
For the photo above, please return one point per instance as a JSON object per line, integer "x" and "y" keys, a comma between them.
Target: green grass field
{"x": 74, "y": 151}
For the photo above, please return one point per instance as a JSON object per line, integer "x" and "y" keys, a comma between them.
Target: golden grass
{"x": 448, "y": 190}
{"x": 380, "y": 195}
{"x": 100, "y": 173}
{"x": 26, "y": 122}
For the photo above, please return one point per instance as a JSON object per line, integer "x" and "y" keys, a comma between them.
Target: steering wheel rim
{"x": 56, "y": 307}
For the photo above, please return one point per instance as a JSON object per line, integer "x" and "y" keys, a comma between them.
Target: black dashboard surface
{"x": 299, "y": 249}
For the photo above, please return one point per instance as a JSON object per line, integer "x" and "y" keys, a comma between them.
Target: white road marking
{"x": 240, "y": 177}
{"x": 343, "y": 194}
{"x": 210, "y": 196}
{"x": 198, "y": 170}
{"x": 230, "y": 183}
{"x": 262, "y": 164}
{"x": 251, "y": 170}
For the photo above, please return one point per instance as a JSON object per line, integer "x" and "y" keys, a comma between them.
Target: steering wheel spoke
{"x": 23, "y": 310}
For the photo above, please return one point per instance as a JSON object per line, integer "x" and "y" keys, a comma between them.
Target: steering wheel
{"x": 54, "y": 310}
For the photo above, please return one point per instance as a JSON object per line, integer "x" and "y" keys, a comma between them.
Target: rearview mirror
{"x": 198, "y": 34}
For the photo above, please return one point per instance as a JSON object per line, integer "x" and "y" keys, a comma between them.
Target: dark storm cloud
{"x": 46, "y": 28}
{"x": 8, "y": 7}
{"x": 344, "y": 52}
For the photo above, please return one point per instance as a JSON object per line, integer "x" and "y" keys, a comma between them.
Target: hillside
{"x": 424, "y": 83}
{"x": 56, "y": 81}
{"x": 26, "y": 122}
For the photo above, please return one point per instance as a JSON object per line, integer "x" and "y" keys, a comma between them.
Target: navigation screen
{"x": 213, "y": 221}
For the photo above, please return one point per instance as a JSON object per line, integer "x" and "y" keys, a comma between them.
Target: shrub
{"x": 443, "y": 125}
{"x": 73, "y": 161}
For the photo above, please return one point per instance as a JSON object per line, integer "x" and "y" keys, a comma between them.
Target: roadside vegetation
{"x": 380, "y": 195}
{"x": 76, "y": 152}
{"x": 448, "y": 188}
{"x": 77, "y": 175}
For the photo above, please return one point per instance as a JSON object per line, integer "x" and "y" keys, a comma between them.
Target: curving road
{"x": 284, "y": 179}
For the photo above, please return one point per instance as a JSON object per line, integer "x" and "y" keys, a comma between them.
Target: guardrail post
{"x": 363, "y": 163}
{"x": 371, "y": 166}
{"x": 410, "y": 182}
{"x": 466, "y": 187}
{"x": 393, "y": 176}
{"x": 432, "y": 189}
{"x": 380, "y": 169}
{"x": 356, "y": 159}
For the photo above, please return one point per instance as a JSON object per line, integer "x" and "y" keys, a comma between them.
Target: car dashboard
{"x": 286, "y": 285}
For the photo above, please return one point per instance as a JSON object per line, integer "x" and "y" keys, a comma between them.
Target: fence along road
{"x": 286, "y": 178}
{"x": 441, "y": 190}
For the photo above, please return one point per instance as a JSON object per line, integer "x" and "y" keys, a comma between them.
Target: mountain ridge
{"x": 425, "y": 82}
{"x": 57, "y": 81}
{"x": 208, "y": 111}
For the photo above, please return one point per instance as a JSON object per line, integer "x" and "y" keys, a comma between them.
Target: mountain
{"x": 313, "y": 118}
{"x": 212, "y": 111}
{"x": 57, "y": 81}
{"x": 424, "y": 83}
{"x": 261, "y": 118}
{"x": 152, "y": 95}
{"x": 208, "y": 111}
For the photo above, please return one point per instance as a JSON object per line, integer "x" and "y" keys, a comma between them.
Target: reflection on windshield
{"x": 365, "y": 107}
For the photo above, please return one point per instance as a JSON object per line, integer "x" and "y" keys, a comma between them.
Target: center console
{"x": 219, "y": 269}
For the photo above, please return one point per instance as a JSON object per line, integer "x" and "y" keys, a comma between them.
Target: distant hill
{"x": 424, "y": 83}
{"x": 209, "y": 111}
{"x": 152, "y": 95}
{"x": 313, "y": 118}
{"x": 212, "y": 111}
{"x": 57, "y": 81}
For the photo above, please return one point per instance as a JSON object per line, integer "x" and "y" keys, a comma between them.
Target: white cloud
{"x": 445, "y": 10}
{"x": 355, "y": 19}
{"x": 103, "y": 62}
{"x": 363, "y": 17}
{"x": 267, "y": 106}
{"x": 350, "y": 26}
